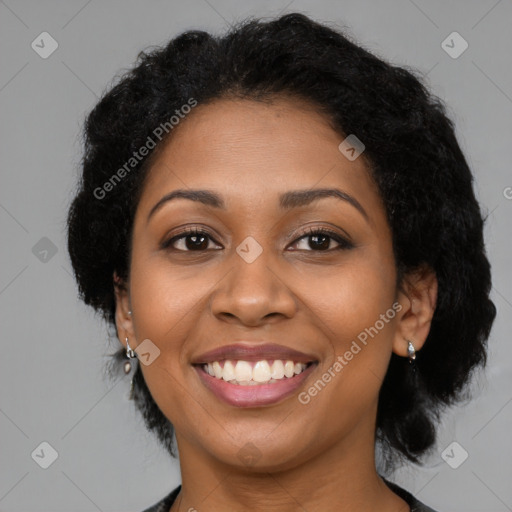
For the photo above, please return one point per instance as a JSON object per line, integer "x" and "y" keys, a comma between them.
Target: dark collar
{"x": 416, "y": 506}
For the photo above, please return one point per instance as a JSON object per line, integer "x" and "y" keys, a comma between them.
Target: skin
{"x": 295, "y": 293}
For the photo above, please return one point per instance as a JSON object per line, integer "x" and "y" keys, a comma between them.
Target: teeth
{"x": 261, "y": 372}
{"x": 244, "y": 373}
{"x": 289, "y": 369}
{"x": 277, "y": 370}
{"x": 217, "y": 370}
{"x": 228, "y": 372}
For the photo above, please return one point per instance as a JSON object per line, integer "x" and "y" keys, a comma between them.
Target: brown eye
{"x": 190, "y": 241}
{"x": 321, "y": 240}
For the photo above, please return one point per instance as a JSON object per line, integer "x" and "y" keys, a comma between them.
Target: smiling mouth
{"x": 254, "y": 373}
{"x": 257, "y": 383}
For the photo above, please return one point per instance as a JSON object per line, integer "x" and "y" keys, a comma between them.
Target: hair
{"x": 412, "y": 155}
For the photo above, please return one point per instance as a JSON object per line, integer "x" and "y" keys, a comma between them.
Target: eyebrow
{"x": 297, "y": 198}
{"x": 287, "y": 201}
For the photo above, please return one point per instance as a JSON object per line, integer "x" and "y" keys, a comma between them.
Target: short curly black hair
{"x": 412, "y": 154}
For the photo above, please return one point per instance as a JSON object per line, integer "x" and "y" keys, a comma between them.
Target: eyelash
{"x": 344, "y": 244}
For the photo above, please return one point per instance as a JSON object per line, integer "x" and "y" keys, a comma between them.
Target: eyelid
{"x": 326, "y": 227}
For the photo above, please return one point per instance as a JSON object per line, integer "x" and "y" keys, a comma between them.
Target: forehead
{"x": 250, "y": 150}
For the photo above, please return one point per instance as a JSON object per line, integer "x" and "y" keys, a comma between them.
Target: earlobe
{"x": 418, "y": 297}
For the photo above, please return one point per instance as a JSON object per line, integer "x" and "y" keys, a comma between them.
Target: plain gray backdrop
{"x": 54, "y": 349}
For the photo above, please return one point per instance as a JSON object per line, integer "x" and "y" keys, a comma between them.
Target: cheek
{"x": 164, "y": 297}
{"x": 166, "y": 308}
{"x": 354, "y": 309}
{"x": 351, "y": 298}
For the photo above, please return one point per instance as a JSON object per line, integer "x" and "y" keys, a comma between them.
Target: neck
{"x": 339, "y": 478}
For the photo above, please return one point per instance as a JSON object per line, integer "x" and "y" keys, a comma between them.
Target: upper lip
{"x": 252, "y": 352}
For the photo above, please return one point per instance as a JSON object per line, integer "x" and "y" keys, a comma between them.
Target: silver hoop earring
{"x": 411, "y": 352}
{"x": 130, "y": 354}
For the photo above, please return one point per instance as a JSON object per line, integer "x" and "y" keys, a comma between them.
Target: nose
{"x": 253, "y": 294}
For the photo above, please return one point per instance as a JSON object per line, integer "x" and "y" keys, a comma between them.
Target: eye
{"x": 314, "y": 239}
{"x": 191, "y": 239}
{"x": 321, "y": 239}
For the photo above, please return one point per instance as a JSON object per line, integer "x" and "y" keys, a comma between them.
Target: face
{"x": 261, "y": 267}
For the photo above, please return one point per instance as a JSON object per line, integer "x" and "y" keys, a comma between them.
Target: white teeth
{"x": 250, "y": 382}
{"x": 277, "y": 369}
{"x": 228, "y": 372}
{"x": 289, "y": 369}
{"x": 261, "y": 372}
{"x": 244, "y": 373}
{"x": 217, "y": 370}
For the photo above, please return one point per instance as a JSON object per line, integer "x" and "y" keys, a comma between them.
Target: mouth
{"x": 254, "y": 376}
{"x": 254, "y": 373}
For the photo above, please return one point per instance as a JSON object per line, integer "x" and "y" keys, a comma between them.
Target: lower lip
{"x": 254, "y": 396}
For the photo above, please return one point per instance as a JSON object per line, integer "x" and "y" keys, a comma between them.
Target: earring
{"x": 130, "y": 354}
{"x": 411, "y": 351}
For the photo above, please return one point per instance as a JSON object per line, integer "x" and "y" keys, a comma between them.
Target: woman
{"x": 283, "y": 231}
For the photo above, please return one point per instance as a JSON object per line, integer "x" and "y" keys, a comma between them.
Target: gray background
{"x": 52, "y": 383}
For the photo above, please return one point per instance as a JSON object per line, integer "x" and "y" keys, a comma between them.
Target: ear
{"x": 123, "y": 315}
{"x": 418, "y": 296}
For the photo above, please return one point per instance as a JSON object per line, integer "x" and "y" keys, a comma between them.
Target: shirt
{"x": 416, "y": 506}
